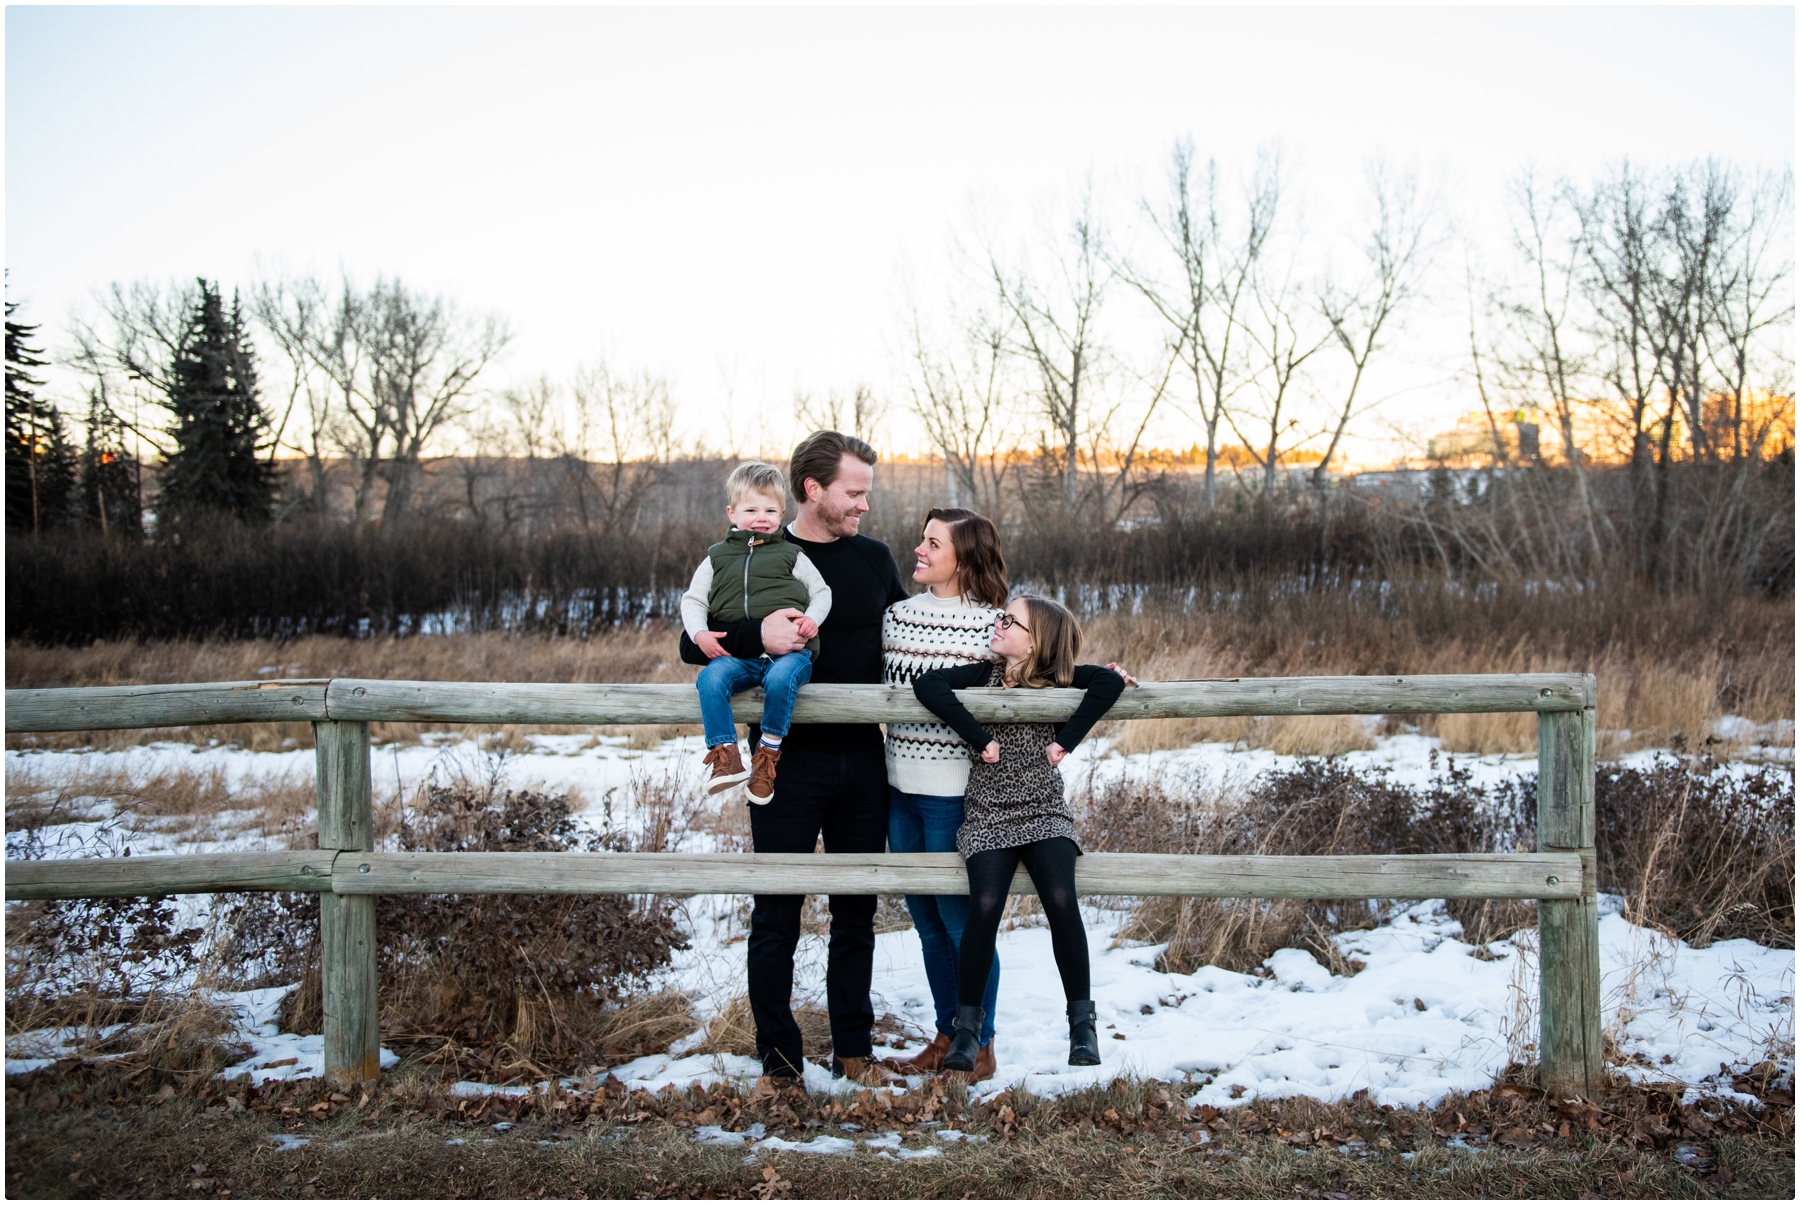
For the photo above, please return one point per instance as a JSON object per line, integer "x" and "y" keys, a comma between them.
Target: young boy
{"x": 752, "y": 572}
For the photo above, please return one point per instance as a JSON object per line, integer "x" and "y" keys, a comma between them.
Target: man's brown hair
{"x": 819, "y": 455}
{"x": 1055, "y": 643}
{"x": 980, "y": 569}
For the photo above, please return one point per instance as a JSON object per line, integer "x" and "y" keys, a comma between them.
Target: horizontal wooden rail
{"x": 180, "y": 874}
{"x": 347, "y": 873}
{"x": 353, "y": 699}
{"x": 90, "y": 708}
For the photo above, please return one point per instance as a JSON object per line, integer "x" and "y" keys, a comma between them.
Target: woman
{"x": 950, "y": 625}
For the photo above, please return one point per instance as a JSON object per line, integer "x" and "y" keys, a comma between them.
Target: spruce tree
{"x": 109, "y": 475}
{"x": 215, "y": 468}
{"x": 40, "y": 460}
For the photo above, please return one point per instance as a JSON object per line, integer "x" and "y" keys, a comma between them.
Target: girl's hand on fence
{"x": 991, "y": 754}
{"x": 1054, "y": 754}
{"x": 708, "y": 643}
{"x": 1118, "y": 669}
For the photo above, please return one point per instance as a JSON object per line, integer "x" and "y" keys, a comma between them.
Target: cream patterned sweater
{"x": 923, "y": 633}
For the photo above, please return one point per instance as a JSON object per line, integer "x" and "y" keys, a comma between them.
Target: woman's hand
{"x": 1054, "y": 754}
{"x": 1118, "y": 669}
{"x": 708, "y": 643}
{"x": 991, "y": 754}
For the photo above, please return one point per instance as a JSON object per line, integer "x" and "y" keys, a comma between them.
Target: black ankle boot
{"x": 965, "y": 1043}
{"x": 1084, "y": 1044}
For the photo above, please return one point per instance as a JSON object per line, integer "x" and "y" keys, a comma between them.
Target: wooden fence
{"x": 348, "y": 873}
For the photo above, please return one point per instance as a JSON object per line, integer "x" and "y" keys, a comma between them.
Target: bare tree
{"x": 1545, "y": 356}
{"x": 858, "y": 413}
{"x": 1055, "y": 327}
{"x": 402, "y": 365}
{"x": 294, "y": 315}
{"x": 1622, "y": 248}
{"x": 1749, "y": 298}
{"x": 616, "y": 449}
{"x": 959, "y": 396}
{"x": 1204, "y": 305}
{"x": 1394, "y": 252}
{"x": 1285, "y": 335}
{"x": 129, "y": 349}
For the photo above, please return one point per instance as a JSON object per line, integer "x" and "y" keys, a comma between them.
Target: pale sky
{"x": 730, "y": 197}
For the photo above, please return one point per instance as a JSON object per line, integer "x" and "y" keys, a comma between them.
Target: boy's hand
{"x": 708, "y": 643}
{"x": 1054, "y": 754}
{"x": 806, "y": 627}
{"x": 991, "y": 754}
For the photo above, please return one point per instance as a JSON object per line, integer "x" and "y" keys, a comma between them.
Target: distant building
{"x": 1473, "y": 439}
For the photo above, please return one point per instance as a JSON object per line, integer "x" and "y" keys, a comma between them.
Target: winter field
{"x": 1424, "y": 1014}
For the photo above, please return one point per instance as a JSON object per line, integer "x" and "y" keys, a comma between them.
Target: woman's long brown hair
{"x": 1055, "y": 643}
{"x": 980, "y": 569}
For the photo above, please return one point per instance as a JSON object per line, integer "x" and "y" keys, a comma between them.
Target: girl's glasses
{"x": 1007, "y": 622}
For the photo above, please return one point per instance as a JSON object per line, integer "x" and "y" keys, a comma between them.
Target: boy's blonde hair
{"x": 756, "y": 477}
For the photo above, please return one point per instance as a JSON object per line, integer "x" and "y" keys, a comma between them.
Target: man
{"x": 833, "y": 777}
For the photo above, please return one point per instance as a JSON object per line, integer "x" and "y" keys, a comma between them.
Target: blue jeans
{"x": 927, "y": 824}
{"x": 781, "y": 679}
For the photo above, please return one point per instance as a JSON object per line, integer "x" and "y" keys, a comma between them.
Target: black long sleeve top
{"x": 936, "y": 689}
{"x": 864, "y": 582}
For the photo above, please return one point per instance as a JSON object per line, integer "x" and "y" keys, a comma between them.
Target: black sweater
{"x": 936, "y": 689}
{"x": 864, "y": 582}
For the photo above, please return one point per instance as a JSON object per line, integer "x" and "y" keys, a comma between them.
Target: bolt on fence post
{"x": 347, "y": 922}
{"x": 1569, "y": 1053}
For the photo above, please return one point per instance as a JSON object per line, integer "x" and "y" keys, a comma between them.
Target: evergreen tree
{"x": 215, "y": 467}
{"x": 40, "y": 460}
{"x": 109, "y": 475}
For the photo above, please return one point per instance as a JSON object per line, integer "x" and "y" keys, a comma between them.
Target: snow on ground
{"x": 1424, "y": 1017}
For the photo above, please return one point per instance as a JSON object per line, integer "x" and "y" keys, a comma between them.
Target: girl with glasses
{"x": 1015, "y": 811}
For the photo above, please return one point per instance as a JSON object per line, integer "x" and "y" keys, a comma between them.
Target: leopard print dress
{"x": 1018, "y": 799}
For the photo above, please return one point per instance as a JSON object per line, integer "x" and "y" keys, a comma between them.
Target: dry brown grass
{"x": 1669, "y": 668}
{"x": 192, "y": 804}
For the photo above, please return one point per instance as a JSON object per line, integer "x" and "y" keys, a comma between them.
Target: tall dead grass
{"x": 1669, "y": 666}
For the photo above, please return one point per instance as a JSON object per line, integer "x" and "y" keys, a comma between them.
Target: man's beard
{"x": 840, "y": 523}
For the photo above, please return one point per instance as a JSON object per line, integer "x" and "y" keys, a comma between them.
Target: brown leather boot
{"x": 762, "y": 773}
{"x": 727, "y": 768}
{"x": 923, "y": 1063}
{"x": 867, "y": 1072}
{"x": 984, "y": 1064}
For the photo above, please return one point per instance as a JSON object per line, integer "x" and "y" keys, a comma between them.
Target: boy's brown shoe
{"x": 727, "y": 768}
{"x": 762, "y": 773}
{"x": 867, "y": 1072}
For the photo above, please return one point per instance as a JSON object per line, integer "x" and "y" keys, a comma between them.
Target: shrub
{"x": 1700, "y": 850}
{"x": 529, "y": 977}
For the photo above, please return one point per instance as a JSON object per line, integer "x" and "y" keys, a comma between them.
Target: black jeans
{"x": 1051, "y": 863}
{"x": 843, "y": 795}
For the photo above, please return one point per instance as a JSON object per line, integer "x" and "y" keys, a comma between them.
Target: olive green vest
{"x": 753, "y": 575}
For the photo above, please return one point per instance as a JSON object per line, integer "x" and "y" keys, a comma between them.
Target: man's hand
{"x": 1118, "y": 669}
{"x": 991, "y": 754}
{"x": 806, "y": 627}
{"x": 708, "y": 643}
{"x": 780, "y": 634}
{"x": 1054, "y": 754}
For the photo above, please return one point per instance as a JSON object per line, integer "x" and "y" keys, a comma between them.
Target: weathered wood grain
{"x": 91, "y": 708}
{"x": 348, "y": 949}
{"x": 1422, "y": 876}
{"x": 183, "y": 874}
{"x": 1569, "y": 1041}
{"x": 604, "y": 703}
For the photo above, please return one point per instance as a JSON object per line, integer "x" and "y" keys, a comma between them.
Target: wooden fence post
{"x": 347, "y": 922}
{"x": 1568, "y": 930}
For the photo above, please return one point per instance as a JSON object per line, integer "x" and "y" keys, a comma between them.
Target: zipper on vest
{"x": 749, "y": 552}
